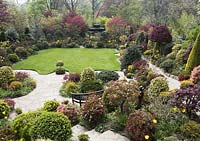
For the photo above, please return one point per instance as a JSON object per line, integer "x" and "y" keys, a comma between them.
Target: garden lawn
{"x": 75, "y": 60}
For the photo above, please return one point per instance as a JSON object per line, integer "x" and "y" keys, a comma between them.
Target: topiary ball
{"x": 4, "y": 109}
{"x": 157, "y": 85}
{"x": 51, "y": 125}
{"x": 23, "y": 122}
{"x": 87, "y": 74}
{"x": 51, "y": 105}
{"x": 13, "y": 58}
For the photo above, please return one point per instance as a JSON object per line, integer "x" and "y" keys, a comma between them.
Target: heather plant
{"x": 10, "y": 102}
{"x": 140, "y": 126}
{"x": 157, "y": 85}
{"x": 51, "y": 105}
{"x": 183, "y": 76}
{"x": 93, "y": 111}
{"x": 139, "y": 64}
{"x": 132, "y": 54}
{"x": 21, "y": 76}
{"x": 71, "y": 111}
{"x": 195, "y": 75}
{"x": 194, "y": 56}
{"x": 119, "y": 95}
{"x": 75, "y": 77}
{"x": 4, "y": 109}
{"x": 87, "y": 74}
{"x": 107, "y": 76}
{"x": 6, "y": 76}
{"x": 187, "y": 100}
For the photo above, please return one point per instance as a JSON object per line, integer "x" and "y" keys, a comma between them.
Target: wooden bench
{"x": 82, "y": 97}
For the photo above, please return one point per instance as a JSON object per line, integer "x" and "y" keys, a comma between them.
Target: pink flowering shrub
{"x": 71, "y": 111}
{"x": 75, "y": 77}
{"x": 195, "y": 75}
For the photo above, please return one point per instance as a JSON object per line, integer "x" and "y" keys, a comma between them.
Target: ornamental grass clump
{"x": 141, "y": 126}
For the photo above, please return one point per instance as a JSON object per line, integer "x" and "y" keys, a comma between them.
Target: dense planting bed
{"x": 75, "y": 60}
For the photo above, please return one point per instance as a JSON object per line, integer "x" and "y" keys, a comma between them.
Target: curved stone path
{"x": 173, "y": 83}
{"x": 47, "y": 89}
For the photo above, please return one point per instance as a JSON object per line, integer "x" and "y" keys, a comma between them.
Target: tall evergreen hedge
{"x": 194, "y": 57}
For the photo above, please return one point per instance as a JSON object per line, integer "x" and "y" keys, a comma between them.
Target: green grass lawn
{"x": 75, "y": 59}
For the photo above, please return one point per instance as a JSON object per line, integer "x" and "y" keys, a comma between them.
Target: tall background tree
{"x": 4, "y": 14}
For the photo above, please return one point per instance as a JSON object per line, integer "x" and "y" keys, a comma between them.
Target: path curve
{"x": 47, "y": 89}
{"x": 173, "y": 83}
